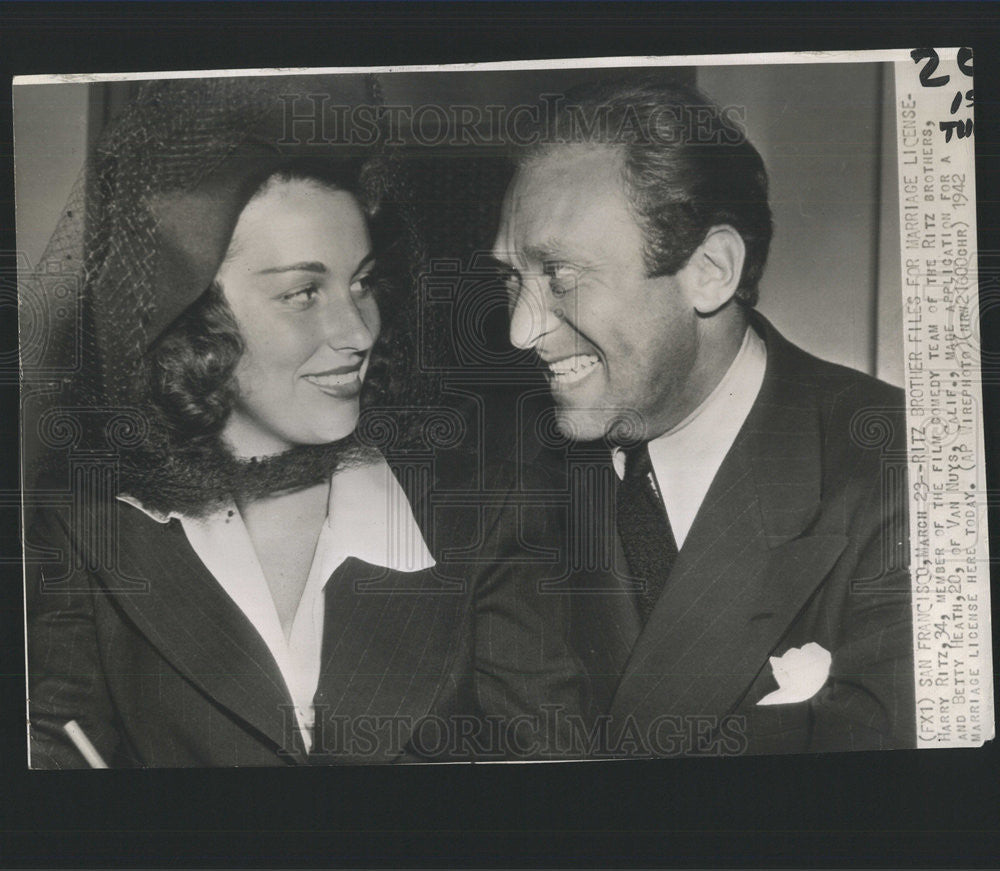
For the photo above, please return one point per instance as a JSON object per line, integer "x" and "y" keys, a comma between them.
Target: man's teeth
{"x": 334, "y": 380}
{"x": 571, "y": 369}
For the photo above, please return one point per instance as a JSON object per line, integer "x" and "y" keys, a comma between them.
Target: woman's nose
{"x": 349, "y": 325}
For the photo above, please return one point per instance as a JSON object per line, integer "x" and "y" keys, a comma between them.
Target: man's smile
{"x": 571, "y": 370}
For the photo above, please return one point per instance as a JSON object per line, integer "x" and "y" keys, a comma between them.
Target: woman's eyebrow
{"x": 311, "y": 266}
{"x": 365, "y": 261}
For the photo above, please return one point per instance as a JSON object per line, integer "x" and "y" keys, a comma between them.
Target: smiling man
{"x": 759, "y": 599}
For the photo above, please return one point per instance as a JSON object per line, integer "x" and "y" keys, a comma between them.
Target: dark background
{"x": 826, "y": 132}
{"x": 923, "y": 808}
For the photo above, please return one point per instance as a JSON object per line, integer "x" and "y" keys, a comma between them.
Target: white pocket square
{"x": 800, "y": 674}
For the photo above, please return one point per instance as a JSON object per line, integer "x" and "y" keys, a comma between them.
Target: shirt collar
{"x": 687, "y": 457}
{"x": 740, "y": 384}
{"x": 368, "y": 517}
{"x": 151, "y": 513}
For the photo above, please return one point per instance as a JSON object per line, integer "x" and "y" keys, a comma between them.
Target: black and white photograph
{"x": 585, "y": 410}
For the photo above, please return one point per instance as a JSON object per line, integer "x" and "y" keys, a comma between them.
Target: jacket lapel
{"x": 200, "y": 631}
{"x": 392, "y": 640}
{"x": 387, "y": 652}
{"x": 748, "y": 565}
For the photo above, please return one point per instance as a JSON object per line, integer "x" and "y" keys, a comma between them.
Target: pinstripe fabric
{"x": 162, "y": 669}
{"x": 801, "y": 538}
{"x": 528, "y": 678}
{"x": 173, "y": 674}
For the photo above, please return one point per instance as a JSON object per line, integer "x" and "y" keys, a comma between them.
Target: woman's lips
{"x": 344, "y": 383}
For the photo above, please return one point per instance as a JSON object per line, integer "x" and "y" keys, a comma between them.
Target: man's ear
{"x": 713, "y": 272}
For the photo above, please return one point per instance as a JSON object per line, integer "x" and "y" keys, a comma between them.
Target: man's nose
{"x": 347, "y": 326}
{"x": 531, "y": 318}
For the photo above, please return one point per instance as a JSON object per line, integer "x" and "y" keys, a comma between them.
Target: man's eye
{"x": 562, "y": 277}
{"x": 511, "y": 280}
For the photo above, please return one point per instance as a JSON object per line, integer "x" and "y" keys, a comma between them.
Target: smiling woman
{"x": 255, "y": 579}
{"x": 298, "y": 280}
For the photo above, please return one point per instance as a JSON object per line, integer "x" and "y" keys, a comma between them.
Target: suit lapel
{"x": 388, "y": 642}
{"x": 747, "y": 567}
{"x": 391, "y": 638}
{"x": 200, "y": 631}
{"x": 606, "y": 619}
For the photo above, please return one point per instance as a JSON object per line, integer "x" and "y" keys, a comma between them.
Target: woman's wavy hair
{"x": 188, "y": 377}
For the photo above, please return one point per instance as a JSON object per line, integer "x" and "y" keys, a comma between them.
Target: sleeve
{"x": 65, "y": 673}
{"x": 528, "y": 680}
{"x": 869, "y": 702}
{"x": 862, "y": 614}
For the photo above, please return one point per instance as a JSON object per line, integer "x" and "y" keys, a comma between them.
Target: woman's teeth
{"x": 572, "y": 369}
{"x": 338, "y": 380}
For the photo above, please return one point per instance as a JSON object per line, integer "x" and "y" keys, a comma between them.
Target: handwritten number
{"x": 965, "y": 60}
{"x": 958, "y": 129}
{"x": 927, "y": 78}
{"x": 969, "y": 97}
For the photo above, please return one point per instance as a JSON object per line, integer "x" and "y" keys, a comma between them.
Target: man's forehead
{"x": 572, "y": 168}
{"x": 562, "y": 194}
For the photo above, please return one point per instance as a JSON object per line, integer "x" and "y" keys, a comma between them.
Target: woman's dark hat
{"x": 152, "y": 217}
{"x": 142, "y": 238}
{"x": 193, "y": 229}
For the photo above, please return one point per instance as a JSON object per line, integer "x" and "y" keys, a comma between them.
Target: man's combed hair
{"x": 688, "y": 167}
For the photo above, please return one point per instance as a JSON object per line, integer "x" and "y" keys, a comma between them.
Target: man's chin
{"x": 617, "y": 426}
{"x": 577, "y": 427}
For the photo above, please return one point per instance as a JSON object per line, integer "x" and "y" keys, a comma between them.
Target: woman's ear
{"x": 712, "y": 274}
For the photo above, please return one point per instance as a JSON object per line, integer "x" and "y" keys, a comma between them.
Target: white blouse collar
{"x": 368, "y": 517}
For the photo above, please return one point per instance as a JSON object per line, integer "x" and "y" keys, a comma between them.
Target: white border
{"x": 952, "y": 649}
{"x": 868, "y": 56}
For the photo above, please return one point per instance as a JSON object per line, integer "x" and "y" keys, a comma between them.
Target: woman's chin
{"x": 259, "y": 449}
{"x": 333, "y": 432}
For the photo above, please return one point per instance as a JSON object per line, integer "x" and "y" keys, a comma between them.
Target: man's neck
{"x": 720, "y": 339}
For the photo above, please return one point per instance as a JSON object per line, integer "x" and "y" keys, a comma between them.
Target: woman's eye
{"x": 302, "y": 297}
{"x": 363, "y": 286}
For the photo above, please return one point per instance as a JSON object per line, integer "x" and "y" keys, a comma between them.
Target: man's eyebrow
{"x": 497, "y": 261}
{"x": 310, "y": 266}
{"x": 549, "y": 249}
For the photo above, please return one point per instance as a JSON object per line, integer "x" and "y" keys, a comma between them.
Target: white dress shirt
{"x": 686, "y": 458}
{"x": 368, "y": 517}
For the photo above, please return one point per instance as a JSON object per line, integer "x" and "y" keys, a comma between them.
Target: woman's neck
{"x": 246, "y": 439}
{"x": 284, "y": 529}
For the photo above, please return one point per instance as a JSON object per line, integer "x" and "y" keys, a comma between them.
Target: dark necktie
{"x": 644, "y": 527}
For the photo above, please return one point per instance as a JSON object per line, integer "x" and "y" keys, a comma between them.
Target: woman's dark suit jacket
{"x": 130, "y": 635}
